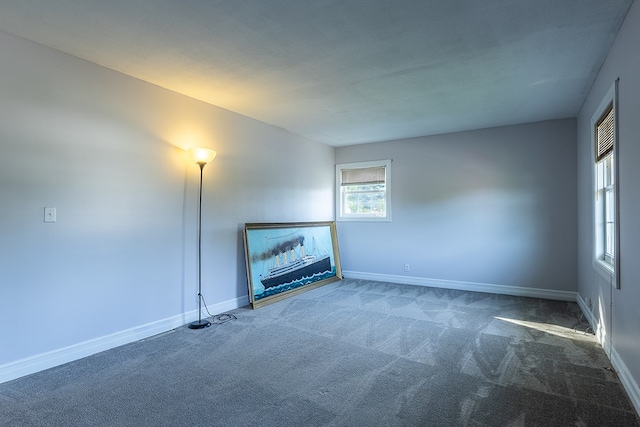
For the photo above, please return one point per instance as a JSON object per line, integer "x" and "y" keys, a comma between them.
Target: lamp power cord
{"x": 218, "y": 319}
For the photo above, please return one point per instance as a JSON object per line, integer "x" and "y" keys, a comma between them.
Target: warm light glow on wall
{"x": 202, "y": 155}
{"x": 188, "y": 138}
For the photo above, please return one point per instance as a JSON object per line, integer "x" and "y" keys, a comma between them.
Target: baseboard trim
{"x": 465, "y": 286}
{"x": 587, "y": 311}
{"x": 627, "y": 380}
{"x": 50, "y": 359}
{"x": 596, "y": 325}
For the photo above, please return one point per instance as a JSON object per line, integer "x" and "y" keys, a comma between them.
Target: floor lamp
{"x": 202, "y": 156}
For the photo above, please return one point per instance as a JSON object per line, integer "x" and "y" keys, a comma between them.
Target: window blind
{"x": 605, "y": 134}
{"x": 364, "y": 176}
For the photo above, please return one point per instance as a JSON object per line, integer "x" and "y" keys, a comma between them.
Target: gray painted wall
{"x": 104, "y": 149}
{"x": 494, "y": 207}
{"x": 615, "y": 312}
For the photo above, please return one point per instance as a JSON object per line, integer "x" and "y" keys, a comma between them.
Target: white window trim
{"x": 356, "y": 165}
{"x": 608, "y": 271}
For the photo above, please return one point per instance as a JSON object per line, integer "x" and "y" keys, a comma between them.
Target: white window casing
{"x": 606, "y": 212}
{"x": 363, "y": 191}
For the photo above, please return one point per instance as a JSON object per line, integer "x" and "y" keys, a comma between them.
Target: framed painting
{"x": 284, "y": 259}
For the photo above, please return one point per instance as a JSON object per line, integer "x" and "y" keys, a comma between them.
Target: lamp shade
{"x": 202, "y": 155}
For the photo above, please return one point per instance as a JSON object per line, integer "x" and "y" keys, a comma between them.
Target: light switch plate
{"x": 49, "y": 214}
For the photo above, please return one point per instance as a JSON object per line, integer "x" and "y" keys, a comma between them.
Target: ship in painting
{"x": 290, "y": 266}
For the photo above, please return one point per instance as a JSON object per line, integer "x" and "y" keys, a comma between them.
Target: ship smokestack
{"x": 282, "y": 248}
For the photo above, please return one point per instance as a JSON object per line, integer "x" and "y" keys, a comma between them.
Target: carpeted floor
{"x": 352, "y": 353}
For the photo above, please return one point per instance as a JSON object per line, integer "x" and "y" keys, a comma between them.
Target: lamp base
{"x": 199, "y": 324}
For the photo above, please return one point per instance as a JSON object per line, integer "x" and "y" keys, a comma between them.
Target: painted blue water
{"x": 296, "y": 284}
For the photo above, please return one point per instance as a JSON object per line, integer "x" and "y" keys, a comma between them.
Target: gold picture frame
{"x": 284, "y": 259}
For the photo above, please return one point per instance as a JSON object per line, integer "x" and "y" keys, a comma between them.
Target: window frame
{"x": 606, "y": 265}
{"x": 340, "y": 214}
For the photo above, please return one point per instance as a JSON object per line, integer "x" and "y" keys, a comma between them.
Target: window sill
{"x": 364, "y": 219}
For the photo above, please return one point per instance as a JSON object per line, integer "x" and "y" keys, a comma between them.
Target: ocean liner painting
{"x": 289, "y": 258}
{"x": 294, "y": 267}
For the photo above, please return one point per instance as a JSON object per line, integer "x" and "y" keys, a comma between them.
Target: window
{"x": 363, "y": 191}
{"x": 606, "y": 241}
{"x": 605, "y": 208}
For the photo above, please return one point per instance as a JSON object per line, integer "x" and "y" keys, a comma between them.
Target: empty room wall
{"x": 489, "y": 210}
{"x": 615, "y": 312}
{"x": 106, "y": 151}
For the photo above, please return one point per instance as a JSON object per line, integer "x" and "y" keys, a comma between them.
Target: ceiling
{"x": 345, "y": 72}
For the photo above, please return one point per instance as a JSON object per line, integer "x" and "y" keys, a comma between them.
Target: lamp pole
{"x": 202, "y": 156}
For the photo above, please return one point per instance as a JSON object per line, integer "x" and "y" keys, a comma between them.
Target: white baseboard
{"x": 50, "y": 359}
{"x": 627, "y": 380}
{"x": 587, "y": 312}
{"x": 596, "y": 325}
{"x": 465, "y": 286}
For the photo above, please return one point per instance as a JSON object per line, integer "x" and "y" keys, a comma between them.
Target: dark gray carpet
{"x": 352, "y": 353}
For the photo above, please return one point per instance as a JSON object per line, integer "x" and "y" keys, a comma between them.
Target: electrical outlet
{"x": 406, "y": 267}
